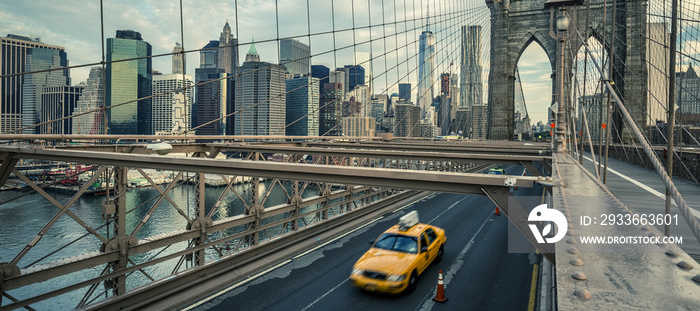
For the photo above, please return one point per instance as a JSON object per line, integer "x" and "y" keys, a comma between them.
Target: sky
{"x": 76, "y": 25}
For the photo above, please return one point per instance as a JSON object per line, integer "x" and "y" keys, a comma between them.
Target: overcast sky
{"x": 75, "y": 25}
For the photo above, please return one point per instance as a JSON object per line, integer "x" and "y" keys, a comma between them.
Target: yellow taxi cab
{"x": 396, "y": 259}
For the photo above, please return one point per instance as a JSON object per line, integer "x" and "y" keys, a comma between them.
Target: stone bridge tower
{"x": 515, "y": 24}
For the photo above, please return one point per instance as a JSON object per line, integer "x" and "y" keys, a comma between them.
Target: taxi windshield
{"x": 397, "y": 242}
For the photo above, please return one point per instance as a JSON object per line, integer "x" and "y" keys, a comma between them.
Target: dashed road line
{"x": 454, "y": 268}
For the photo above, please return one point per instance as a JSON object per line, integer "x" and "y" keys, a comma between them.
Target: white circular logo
{"x": 542, "y": 213}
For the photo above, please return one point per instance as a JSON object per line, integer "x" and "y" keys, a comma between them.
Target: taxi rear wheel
{"x": 438, "y": 258}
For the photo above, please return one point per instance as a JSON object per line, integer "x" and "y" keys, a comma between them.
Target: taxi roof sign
{"x": 407, "y": 221}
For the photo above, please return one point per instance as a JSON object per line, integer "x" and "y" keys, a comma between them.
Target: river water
{"x": 22, "y": 219}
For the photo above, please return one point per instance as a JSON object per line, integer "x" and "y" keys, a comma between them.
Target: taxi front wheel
{"x": 412, "y": 280}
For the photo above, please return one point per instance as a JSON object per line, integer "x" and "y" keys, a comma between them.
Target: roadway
{"x": 479, "y": 272}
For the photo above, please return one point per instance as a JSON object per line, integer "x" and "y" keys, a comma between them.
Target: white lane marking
{"x": 645, "y": 187}
{"x": 250, "y": 278}
{"x": 454, "y": 268}
{"x": 447, "y": 209}
{"x": 338, "y": 237}
{"x": 324, "y": 295}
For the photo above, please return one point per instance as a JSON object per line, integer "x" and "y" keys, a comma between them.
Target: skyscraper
{"x": 208, "y": 59}
{"x": 471, "y": 87}
{"x": 171, "y": 111}
{"x": 302, "y": 106}
{"x": 405, "y": 91}
{"x": 362, "y": 97}
{"x": 210, "y": 103}
{"x": 454, "y": 95}
{"x": 657, "y": 59}
{"x": 321, "y": 73}
{"x": 445, "y": 109}
{"x": 128, "y": 81}
{"x": 13, "y": 59}
{"x": 58, "y": 102}
{"x": 228, "y": 51}
{"x": 426, "y": 66}
{"x": 479, "y": 121}
{"x": 260, "y": 90}
{"x": 462, "y": 125}
{"x": 40, "y": 59}
{"x": 354, "y": 76}
{"x": 358, "y": 126}
{"x": 407, "y": 123}
{"x": 92, "y": 98}
{"x": 178, "y": 59}
{"x": 331, "y": 110}
{"x": 295, "y": 56}
{"x": 209, "y": 55}
{"x": 228, "y": 61}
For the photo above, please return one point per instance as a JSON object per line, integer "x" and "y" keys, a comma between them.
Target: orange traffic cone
{"x": 497, "y": 212}
{"x": 440, "y": 296}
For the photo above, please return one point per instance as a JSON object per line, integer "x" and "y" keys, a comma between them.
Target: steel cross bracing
{"x": 332, "y": 171}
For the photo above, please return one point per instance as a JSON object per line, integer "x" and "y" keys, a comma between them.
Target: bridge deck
{"x": 633, "y": 275}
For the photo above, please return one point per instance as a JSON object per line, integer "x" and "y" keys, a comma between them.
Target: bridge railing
{"x": 136, "y": 240}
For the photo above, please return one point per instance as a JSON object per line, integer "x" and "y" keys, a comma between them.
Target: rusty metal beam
{"x": 406, "y": 179}
{"x": 490, "y": 147}
{"x": 512, "y": 159}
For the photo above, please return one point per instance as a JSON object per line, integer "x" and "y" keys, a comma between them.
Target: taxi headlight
{"x": 396, "y": 277}
{"x": 356, "y": 271}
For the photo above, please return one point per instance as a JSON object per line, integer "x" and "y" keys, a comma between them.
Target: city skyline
{"x": 160, "y": 27}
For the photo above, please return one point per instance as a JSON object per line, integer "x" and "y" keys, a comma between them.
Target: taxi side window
{"x": 424, "y": 240}
{"x": 432, "y": 236}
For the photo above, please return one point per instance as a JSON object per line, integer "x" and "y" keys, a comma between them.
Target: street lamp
{"x": 562, "y": 25}
{"x": 160, "y": 148}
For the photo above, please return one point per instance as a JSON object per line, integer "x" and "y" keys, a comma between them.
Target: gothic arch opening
{"x": 532, "y": 94}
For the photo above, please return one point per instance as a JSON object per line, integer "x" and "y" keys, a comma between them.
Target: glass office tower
{"x": 128, "y": 81}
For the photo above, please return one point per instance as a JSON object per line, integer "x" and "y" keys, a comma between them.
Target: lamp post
{"x": 562, "y": 24}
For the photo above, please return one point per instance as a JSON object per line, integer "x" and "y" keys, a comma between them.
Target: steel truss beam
{"x": 491, "y": 147}
{"x": 8, "y": 164}
{"x": 509, "y": 159}
{"x": 465, "y": 183}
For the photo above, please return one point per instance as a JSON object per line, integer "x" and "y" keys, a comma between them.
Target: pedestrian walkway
{"x": 642, "y": 190}
{"x": 606, "y": 276}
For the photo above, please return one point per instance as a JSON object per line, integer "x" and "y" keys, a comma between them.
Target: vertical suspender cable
{"x": 602, "y": 90}
{"x": 671, "y": 107}
{"x": 608, "y": 105}
{"x": 582, "y": 112}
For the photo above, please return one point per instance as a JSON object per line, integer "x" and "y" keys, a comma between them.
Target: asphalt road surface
{"x": 479, "y": 273}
